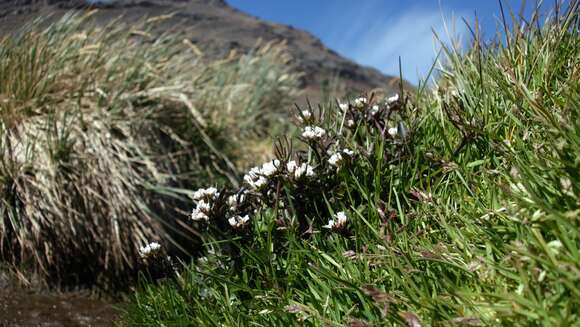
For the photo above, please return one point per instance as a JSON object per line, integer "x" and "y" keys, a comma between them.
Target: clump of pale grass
{"x": 100, "y": 131}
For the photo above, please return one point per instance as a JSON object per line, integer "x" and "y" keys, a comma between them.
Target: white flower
{"x": 149, "y": 250}
{"x": 235, "y": 200}
{"x": 348, "y": 152}
{"x": 392, "y": 131}
{"x": 304, "y": 169}
{"x": 254, "y": 173}
{"x": 306, "y": 115}
{"x": 232, "y": 200}
{"x": 338, "y": 222}
{"x": 291, "y": 166}
{"x": 374, "y": 110}
{"x": 197, "y": 215}
{"x": 343, "y": 106}
{"x": 238, "y": 221}
{"x": 350, "y": 123}
{"x": 330, "y": 224}
{"x": 313, "y": 132}
{"x": 257, "y": 183}
{"x": 359, "y": 102}
{"x": 203, "y": 206}
{"x": 392, "y": 99}
{"x": 335, "y": 159}
{"x": 254, "y": 178}
{"x": 270, "y": 168}
{"x": 340, "y": 218}
{"x": 299, "y": 170}
{"x": 261, "y": 182}
{"x": 204, "y": 193}
{"x": 201, "y": 210}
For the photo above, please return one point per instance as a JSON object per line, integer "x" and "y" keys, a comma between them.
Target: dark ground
{"x": 23, "y": 308}
{"x": 36, "y": 306}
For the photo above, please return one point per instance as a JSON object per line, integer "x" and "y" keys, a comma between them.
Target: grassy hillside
{"x": 103, "y": 131}
{"x": 454, "y": 206}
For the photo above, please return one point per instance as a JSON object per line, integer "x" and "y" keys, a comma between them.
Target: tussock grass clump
{"x": 453, "y": 207}
{"x": 103, "y": 129}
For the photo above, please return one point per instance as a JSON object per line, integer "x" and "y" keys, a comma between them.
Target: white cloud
{"x": 379, "y": 42}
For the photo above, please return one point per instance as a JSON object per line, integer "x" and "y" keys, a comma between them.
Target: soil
{"x": 37, "y": 306}
{"x": 23, "y": 308}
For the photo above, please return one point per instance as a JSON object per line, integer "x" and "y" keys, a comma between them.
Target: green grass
{"x": 103, "y": 131}
{"x": 471, "y": 218}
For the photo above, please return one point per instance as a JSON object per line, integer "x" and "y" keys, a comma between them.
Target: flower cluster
{"x": 204, "y": 193}
{"x": 360, "y": 102}
{"x": 338, "y": 158}
{"x": 372, "y": 113}
{"x": 258, "y": 190}
{"x": 299, "y": 185}
{"x": 239, "y": 221}
{"x": 298, "y": 170}
{"x": 208, "y": 202}
{"x": 150, "y": 250}
{"x": 156, "y": 264}
{"x": 338, "y": 221}
{"x": 299, "y": 176}
{"x": 313, "y": 132}
{"x": 392, "y": 100}
{"x": 203, "y": 198}
{"x": 235, "y": 201}
{"x": 237, "y": 209}
{"x": 305, "y": 116}
{"x": 257, "y": 177}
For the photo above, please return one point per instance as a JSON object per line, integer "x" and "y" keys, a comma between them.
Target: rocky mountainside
{"x": 216, "y": 29}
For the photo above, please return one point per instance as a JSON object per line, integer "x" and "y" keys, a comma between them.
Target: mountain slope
{"x": 216, "y": 29}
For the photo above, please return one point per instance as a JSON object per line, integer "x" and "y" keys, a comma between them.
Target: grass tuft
{"x": 103, "y": 130}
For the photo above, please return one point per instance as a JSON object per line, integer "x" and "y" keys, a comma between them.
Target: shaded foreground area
{"x": 36, "y": 306}
{"x": 23, "y": 308}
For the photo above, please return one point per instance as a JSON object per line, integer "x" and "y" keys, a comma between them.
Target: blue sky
{"x": 376, "y": 32}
